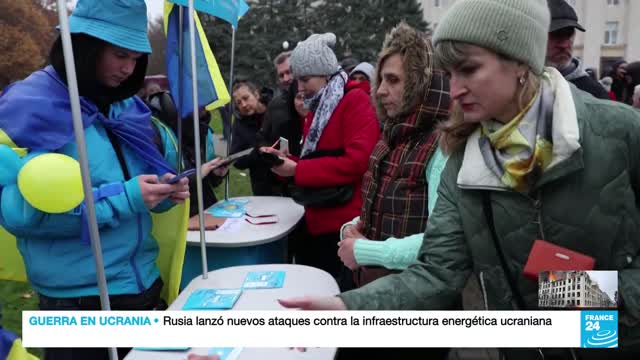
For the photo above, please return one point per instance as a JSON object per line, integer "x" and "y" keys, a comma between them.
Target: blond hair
{"x": 455, "y": 131}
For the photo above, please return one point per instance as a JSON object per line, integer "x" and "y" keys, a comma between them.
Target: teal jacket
{"x": 57, "y": 262}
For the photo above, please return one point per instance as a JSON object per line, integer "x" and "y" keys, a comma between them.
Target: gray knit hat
{"x": 314, "y": 56}
{"x": 515, "y": 28}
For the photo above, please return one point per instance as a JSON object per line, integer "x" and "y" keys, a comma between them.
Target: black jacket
{"x": 282, "y": 120}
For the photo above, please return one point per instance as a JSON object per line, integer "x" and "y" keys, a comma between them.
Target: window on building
{"x": 613, "y": 2}
{"x": 437, "y": 3}
{"x": 611, "y": 32}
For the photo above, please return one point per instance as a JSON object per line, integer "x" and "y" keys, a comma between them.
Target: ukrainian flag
{"x": 212, "y": 91}
{"x": 228, "y": 10}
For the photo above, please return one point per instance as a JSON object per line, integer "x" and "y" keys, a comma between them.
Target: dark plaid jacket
{"x": 394, "y": 188}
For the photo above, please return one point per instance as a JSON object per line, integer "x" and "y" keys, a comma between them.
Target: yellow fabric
{"x": 11, "y": 263}
{"x": 6, "y": 140}
{"x": 170, "y": 231}
{"x": 214, "y": 71}
{"x": 510, "y": 140}
{"x": 19, "y": 353}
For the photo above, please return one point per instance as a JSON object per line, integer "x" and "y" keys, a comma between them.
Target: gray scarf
{"x": 323, "y": 104}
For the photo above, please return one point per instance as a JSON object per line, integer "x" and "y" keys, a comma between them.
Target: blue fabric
{"x": 6, "y": 343}
{"x": 206, "y": 88}
{"x": 227, "y": 10}
{"x": 119, "y": 22}
{"x": 130, "y": 120}
{"x": 32, "y": 113}
{"x": 100, "y": 193}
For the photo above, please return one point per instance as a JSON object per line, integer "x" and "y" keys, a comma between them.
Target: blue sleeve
{"x": 434, "y": 173}
{"x": 23, "y": 220}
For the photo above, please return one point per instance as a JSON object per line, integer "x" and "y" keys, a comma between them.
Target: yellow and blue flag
{"x": 212, "y": 91}
{"x": 228, "y": 10}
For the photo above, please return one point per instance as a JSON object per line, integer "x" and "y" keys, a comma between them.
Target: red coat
{"x": 353, "y": 126}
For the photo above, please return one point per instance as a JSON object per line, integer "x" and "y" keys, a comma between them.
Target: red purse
{"x": 545, "y": 256}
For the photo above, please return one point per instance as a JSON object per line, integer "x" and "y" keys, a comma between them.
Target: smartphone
{"x": 284, "y": 145}
{"x": 177, "y": 178}
{"x": 233, "y": 157}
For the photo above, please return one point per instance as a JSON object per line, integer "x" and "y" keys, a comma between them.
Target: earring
{"x": 523, "y": 80}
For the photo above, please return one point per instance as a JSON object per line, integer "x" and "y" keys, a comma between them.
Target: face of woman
{"x": 621, "y": 71}
{"x": 486, "y": 86}
{"x": 310, "y": 85}
{"x": 299, "y": 104}
{"x": 115, "y": 65}
{"x": 246, "y": 101}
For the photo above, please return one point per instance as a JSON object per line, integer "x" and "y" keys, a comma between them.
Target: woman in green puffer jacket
{"x": 546, "y": 159}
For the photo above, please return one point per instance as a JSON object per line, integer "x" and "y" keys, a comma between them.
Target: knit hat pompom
{"x": 314, "y": 56}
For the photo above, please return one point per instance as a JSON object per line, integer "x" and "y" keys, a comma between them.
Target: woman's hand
{"x": 347, "y": 254}
{"x": 287, "y": 168}
{"x": 314, "y": 303}
{"x": 181, "y": 188}
{"x": 216, "y": 166}
{"x": 154, "y": 191}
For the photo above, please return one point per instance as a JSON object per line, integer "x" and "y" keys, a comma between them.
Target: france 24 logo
{"x": 599, "y": 329}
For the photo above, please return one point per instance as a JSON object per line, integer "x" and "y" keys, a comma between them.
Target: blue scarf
{"x": 36, "y": 114}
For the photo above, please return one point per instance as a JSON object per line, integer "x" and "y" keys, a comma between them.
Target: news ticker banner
{"x": 174, "y": 329}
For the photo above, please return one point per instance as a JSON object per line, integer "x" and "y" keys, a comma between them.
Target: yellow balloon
{"x": 51, "y": 183}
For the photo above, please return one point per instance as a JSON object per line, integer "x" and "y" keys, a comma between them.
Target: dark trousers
{"x": 321, "y": 251}
{"x": 148, "y": 300}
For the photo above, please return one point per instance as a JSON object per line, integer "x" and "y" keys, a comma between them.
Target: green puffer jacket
{"x": 587, "y": 201}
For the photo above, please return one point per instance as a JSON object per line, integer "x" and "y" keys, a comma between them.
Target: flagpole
{"x": 180, "y": 90}
{"x": 233, "y": 46}
{"x": 81, "y": 145}
{"x": 196, "y": 136}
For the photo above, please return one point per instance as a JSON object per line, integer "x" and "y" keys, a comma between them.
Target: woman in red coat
{"x": 339, "y": 134}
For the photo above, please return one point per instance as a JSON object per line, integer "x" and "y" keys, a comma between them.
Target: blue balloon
{"x": 10, "y": 164}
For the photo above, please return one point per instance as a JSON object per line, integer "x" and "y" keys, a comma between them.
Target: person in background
{"x": 362, "y": 72}
{"x": 283, "y": 70}
{"x": 621, "y": 86}
{"x": 339, "y": 134}
{"x": 251, "y": 108}
{"x": 348, "y": 64}
{"x": 399, "y": 188}
{"x": 129, "y": 174}
{"x": 636, "y": 97}
{"x": 606, "y": 84}
{"x": 527, "y": 154}
{"x": 562, "y": 33}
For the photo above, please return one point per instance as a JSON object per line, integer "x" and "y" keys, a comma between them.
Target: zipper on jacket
{"x": 537, "y": 204}
{"x": 132, "y": 259}
{"x": 484, "y": 291}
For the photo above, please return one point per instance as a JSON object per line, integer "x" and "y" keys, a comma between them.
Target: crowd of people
{"x": 439, "y": 165}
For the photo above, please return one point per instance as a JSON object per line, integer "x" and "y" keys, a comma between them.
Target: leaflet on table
{"x": 233, "y": 208}
{"x": 264, "y": 280}
{"x": 212, "y": 299}
{"x": 226, "y": 353}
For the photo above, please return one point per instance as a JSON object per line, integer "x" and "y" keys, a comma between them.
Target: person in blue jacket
{"x": 128, "y": 173}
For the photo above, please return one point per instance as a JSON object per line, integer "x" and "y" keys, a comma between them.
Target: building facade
{"x": 611, "y": 29}
{"x": 572, "y": 289}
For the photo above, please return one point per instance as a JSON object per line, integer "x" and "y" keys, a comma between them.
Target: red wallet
{"x": 545, "y": 256}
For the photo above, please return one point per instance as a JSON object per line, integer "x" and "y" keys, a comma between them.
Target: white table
{"x": 245, "y": 243}
{"x": 300, "y": 280}
{"x": 289, "y": 214}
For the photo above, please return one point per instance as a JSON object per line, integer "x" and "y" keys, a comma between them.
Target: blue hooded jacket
{"x": 35, "y": 114}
